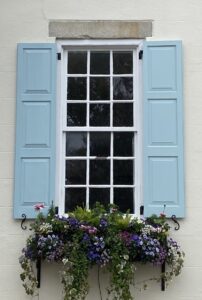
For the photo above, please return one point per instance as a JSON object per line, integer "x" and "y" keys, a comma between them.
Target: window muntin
{"x": 100, "y": 128}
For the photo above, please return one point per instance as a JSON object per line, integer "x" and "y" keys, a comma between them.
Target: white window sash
{"x": 120, "y": 44}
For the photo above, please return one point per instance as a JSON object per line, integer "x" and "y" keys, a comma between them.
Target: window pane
{"x": 123, "y": 171}
{"x": 123, "y": 197}
{"x": 77, "y": 62}
{"x": 99, "y": 144}
{"x": 123, "y": 114}
{"x": 123, "y": 62}
{"x": 99, "y": 88}
{"x": 76, "y": 144}
{"x": 76, "y": 88}
{"x": 74, "y": 197}
{"x": 99, "y": 62}
{"x": 99, "y": 171}
{"x": 123, "y": 144}
{"x": 99, "y": 195}
{"x": 76, "y": 114}
{"x": 99, "y": 115}
{"x": 123, "y": 88}
{"x": 75, "y": 172}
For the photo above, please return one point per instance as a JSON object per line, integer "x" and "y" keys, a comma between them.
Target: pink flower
{"x": 162, "y": 215}
{"x": 92, "y": 230}
{"x": 89, "y": 229}
{"x": 39, "y": 206}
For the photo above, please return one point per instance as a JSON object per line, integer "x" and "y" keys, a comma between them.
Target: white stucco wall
{"x": 27, "y": 21}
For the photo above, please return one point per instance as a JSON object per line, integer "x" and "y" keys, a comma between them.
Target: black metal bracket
{"x": 141, "y": 54}
{"x": 56, "y": 210}
{"x": 24, "y": 218}
{"x": 174, "y": 218}
{"x": 58, "y": 56}
{"x": 142, "y": 210}
{"x": 163, "y": 266}
{"x": 38, "y": 272}
{"x": 163, "y": 269}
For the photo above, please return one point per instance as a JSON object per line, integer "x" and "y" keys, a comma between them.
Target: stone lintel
{"x": 71, "y": 29}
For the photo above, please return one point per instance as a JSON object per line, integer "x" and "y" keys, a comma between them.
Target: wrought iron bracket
{"x": 24, "y": 218}
{"x": 163, "y": 266}
{"x": 163, "y": 269}
{"x": 38, "y": 272}
{"x": 174, "y": 219}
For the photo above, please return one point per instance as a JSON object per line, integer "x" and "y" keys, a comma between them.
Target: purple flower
{"x": 50, "y": 247}
{"x": 61, "y": 218}
{"x": 148, "y": 249}
{"x": 126, "y": 237}
{"x": 97, "y": 253}
{"x": 73, "y": 222}
{"x": 103, "y": 223}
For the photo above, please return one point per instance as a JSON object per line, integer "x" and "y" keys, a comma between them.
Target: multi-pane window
{"x": 99, "y": 130}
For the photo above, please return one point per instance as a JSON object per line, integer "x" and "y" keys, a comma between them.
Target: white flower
{"x": 65, "y": 261}
{"x": 126, "y": 257}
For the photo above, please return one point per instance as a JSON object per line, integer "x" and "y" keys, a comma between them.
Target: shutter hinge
{"x": 141, "y": 54}
{"x": 56, "y": 210}
{"x": 142, "y": 210}
{"x": 59, "y": 55}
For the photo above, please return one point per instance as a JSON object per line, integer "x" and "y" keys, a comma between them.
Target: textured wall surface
{"x": 27, "y": 21}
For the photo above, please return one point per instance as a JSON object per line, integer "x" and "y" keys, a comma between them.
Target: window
{"x": 99, "y": 150}
{"x": 37, "y": 167}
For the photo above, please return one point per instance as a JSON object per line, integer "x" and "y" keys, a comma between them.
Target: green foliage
{"x": 75, "y": 276}
{"x": 27, "y": 276}
{"x": 121, "y": 270}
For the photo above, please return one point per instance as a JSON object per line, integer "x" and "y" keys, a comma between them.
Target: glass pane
{"x": 123, "y": 88}
{"x": 123, "y": 62}
{"x": 123, "y": 171}
{"x": 77, "y": 62}
{"x": 123, "y": 114}
{"x": 123, "y": 144}
{"x": 76, "y": 114}
{"x": 76, "y": 144}
{"x": 99, "y": 144}
{"x": 99, "y": 115}
{"x": 76, "y": 88}
{"x": 99, "y": 195}
{"x": 99, "y": 62}
{"x": 75, "y": 172}
{"x": 123, "y": 197}
{"x": 99, "y": 171}
{"x": 99, "y": 88}
{"x": 74, "y": 197}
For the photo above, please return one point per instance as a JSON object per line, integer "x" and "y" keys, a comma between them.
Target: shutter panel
{"x": 35, "y": 128}
{"x": 163, "y": 129}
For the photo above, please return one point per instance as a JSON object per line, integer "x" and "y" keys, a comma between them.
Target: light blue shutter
{"x": 163, "y": 128}
{"x": 35, "y": 128}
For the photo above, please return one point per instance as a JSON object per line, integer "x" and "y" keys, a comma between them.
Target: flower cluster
{"x": 144, "y": 248}
{"x": 96, "y": 250}
{"x": 85, "y": 238}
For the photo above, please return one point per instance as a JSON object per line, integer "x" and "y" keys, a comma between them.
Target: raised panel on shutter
{"x": 163, "y": 129}
{"x": 35, "y": 128}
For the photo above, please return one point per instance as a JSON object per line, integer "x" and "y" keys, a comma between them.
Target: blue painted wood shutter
{"x": 35, "y": 128}
{"x": 163, "y": 128}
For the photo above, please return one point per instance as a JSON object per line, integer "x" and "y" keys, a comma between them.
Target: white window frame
{"x": 62, "y": 45}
